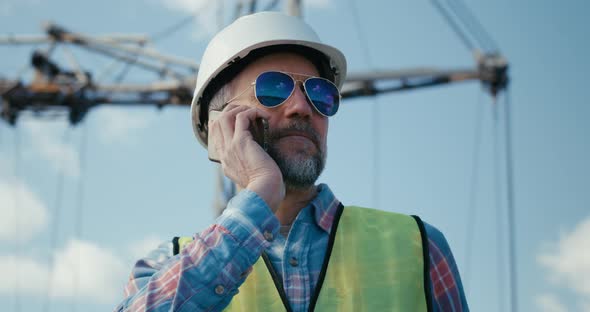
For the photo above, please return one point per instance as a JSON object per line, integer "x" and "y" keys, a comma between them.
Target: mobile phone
{"x": 259, "y": 130}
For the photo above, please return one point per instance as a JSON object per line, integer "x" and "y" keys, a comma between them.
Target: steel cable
{"x": 471, "y": 22}
{"x": 500, "y": 255}
{"x": 79, "y": 217}
{"x": 53, "y": 236}
{"x": 17, "y": 221}
{"x": 473, "y": 188}
{"x": 454, "y": 25}
{"x": 510, "y": 202}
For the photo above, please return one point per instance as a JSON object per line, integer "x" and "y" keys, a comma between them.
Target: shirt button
{"x": 293, "y": 262}
{"x": 268, "y": 236}
{"x": 219, "y": 289}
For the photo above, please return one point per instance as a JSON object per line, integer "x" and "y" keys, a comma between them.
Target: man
{"x": 283, "y": 243}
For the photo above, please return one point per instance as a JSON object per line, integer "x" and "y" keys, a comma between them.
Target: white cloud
{"x": 118, "y": 125}
{"x": 47, "y": 139}
{"x": 100, "y": 277}
{"x": 142, "y": 248}
{"x": 23, "y": 274}
{"x": 549, "y": 303}
{"x": 81, "y": 270}
{"x": 32, "y": 215}
{"x": 568, "y": 261}
{"x": 100, "y": 272}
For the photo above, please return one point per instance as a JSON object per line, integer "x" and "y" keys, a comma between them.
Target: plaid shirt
{"x": 207, "y": 272}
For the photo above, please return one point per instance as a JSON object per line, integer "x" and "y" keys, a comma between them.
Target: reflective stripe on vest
{"x": 375, "y": 262}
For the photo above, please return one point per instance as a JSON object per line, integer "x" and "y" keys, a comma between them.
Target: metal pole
{"x": 294, "y": 8}
{"x": 39, "y": 39}
{"x": 102, "y": 43}
{"x": 510, "y": 199}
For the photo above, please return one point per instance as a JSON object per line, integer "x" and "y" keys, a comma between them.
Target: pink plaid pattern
{"x": 207, "y": 273}
{"x": 444, "y": 284}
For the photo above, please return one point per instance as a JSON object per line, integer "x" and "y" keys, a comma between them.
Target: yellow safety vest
{"x": 375, "y": 261}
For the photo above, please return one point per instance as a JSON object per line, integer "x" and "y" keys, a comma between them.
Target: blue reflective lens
{"x": 323, "y": 94}
{"x": 273, "y": 88}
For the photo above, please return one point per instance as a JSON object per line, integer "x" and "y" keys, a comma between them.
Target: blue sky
{"x": 144, "y": 177}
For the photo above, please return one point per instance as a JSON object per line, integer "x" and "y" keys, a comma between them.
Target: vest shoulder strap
{"x": 426, "y": 255}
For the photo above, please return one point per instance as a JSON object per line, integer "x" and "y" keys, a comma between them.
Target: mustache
{"x": 298, "y": 127}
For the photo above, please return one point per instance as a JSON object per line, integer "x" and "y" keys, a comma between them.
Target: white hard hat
{"x": 250, "y": 33}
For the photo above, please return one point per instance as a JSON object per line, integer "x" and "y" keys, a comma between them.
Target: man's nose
{"x": 298, "y": 104}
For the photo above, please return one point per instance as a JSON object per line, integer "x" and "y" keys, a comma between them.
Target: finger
{"x": 227, "y": 121}
{"x": 245, "y": 118}
{"x": 230, "y": 107}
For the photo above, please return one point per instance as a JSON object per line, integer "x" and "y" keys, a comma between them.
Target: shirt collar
{"x": 325, "y": 206}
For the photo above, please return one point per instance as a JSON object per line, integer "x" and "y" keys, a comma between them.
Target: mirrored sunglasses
{"x": 273, "y": 88}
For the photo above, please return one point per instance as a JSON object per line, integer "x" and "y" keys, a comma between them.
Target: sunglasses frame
{"x": 290, "y": 74}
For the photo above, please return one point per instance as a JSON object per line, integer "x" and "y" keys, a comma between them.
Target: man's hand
{"x": 242, "y": 159}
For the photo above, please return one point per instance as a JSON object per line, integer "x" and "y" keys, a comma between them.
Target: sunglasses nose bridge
{"x": 300, "y": 102}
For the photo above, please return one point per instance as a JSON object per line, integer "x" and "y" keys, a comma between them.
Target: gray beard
{"x": 299, "y": 171}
